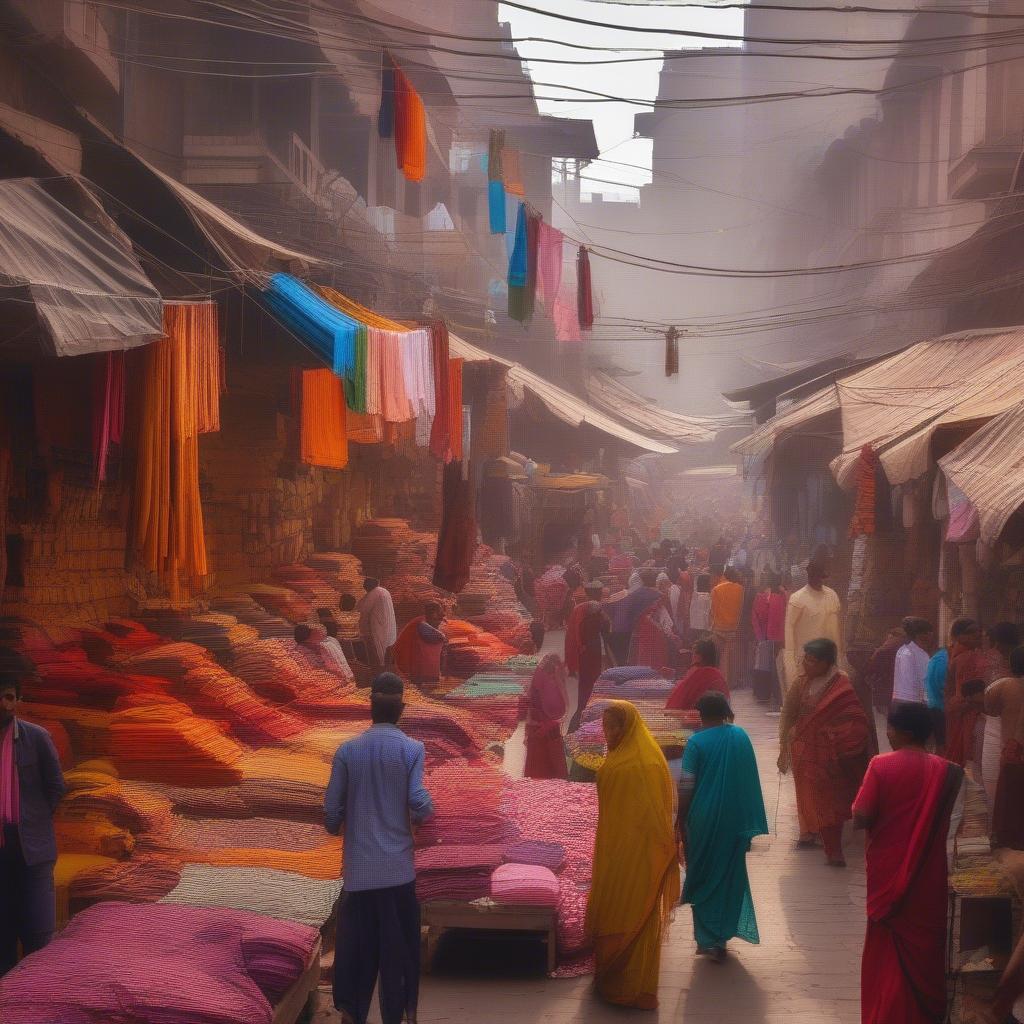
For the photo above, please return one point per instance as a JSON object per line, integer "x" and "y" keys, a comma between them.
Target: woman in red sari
{"x": 702, "y": 677}
{"x": 967, "y": 663}
{"x": 823, "y": 737}
{"x": 905, "y": 805}
{"x": 547, "y": 704}
{"x": 587, "y": 635}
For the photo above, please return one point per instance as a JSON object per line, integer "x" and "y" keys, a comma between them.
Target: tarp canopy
{"x": 560, "y": 403}
{"x": 608, "y": 393}
{"x": 796, "y": 417}
{"x": 896, "y": 405}
{"x": 987, "y": 467}
{"x": 89, "y": 291}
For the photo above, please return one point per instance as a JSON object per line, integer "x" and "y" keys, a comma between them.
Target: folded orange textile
{"x": 324, "y": 426}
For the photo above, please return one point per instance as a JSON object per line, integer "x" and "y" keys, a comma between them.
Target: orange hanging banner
{"x": 324, "y": 430}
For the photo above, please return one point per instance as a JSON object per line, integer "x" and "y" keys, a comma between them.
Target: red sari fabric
{"x": 545, "y": 751}
{"x": 908, "y": 795}
{"x": 594, "y": 627}
{"x": 961, "y": 714}
{"x": 828, "y": 751}
{"x": 699, "y": 680}
{"x": 649, "y": 645}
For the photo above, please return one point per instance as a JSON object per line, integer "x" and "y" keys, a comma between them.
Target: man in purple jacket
{"x": 31, "y": 786}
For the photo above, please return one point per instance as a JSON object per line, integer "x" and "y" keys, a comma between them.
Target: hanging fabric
{"x": 565, "y": 313}
{"x": 363, "y": 428}
{"x": 584, "y": 287}
{"x": 517, "y": 266}
{"x": 441, "y": 429}
{"x": 455, "y": 408}
{"x": 410, "y": 129}
{"x": 495, "y": 148}
{"x": 549, "y": 260}
{"x": 510, "y": 173}
{"x": 862, "y": 523}
{"x": 180, "y": 388}
{"x": 386, "y": 115}
{"x": 107, "y": 409}
{"x": 456, "y": 541}
{"x": 521, "y": 301}
{"x": 671, "y": 352}
{"x": 496, "y": 207}
{"x": 323, "y": 430}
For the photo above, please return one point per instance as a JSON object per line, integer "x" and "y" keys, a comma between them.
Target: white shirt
{"x": 700, "y": 611}
{"x": 909, "y": 674}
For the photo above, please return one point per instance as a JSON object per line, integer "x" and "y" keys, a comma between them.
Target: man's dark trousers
{"x": 27, "y": 907}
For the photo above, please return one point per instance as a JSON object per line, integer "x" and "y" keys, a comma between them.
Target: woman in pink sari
{"x": 547, "y": 704}
{"x": 905, "y": 805}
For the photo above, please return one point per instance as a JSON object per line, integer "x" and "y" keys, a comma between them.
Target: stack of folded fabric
{"x": 630, "y": 682}
{"x": 522, "y": 664}
{"x": 170, "y": 660}
{"x": 536, "y": 851}
{"x": 117, "y": 639}
{"x": 249, "y": 613}
{"x": 472, "y": 650}
{"x": 282, "y": 601}
{"x": 93, "y": 833}
{"x": 280, "y": 783}
{"x": 271, "y": 668}
{"x": 93, "y": 788}
{"x": 82, "y": 684}
{"x": 670, "y": 729}
{"x": 498, "y": 696}
{"x": 159, "y": 739}
{"x": 144, "y": 877}
{"x": 467, "y": 804}
{"x": 456, "y": 871}
{"x": 213, "y": 693}
{"x": 308, "y": 584}
{"x": 377, "y": 545}
{"x": 284, "y": 895}
{"x": 136, "y": 964}
{"x": 342, "y": 571}
{"x": 524, "y": 885}
{"x": 58, "y": 733}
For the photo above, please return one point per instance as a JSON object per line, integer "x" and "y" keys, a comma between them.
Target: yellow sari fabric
{"x": 635, "y": 884}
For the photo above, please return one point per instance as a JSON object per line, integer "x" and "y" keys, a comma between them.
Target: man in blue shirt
{"x": 376, "y": 792}
{"x": 935, "y": 682}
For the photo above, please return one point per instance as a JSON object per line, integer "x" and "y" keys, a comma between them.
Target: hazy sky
{"x": 613, "y": 122}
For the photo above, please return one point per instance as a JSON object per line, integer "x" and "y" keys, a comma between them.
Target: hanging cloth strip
{"x": 585, "y": 293}
{"x": 518, "y": 263}
{"x": 107, "y": 409}
{"x": 521, "y": 301}
{"x": 441, "y": 429}
{"x": 364, "y": 429}
{"x": 495, "y": 148}
{"x": 566, "y": 313}
{"x": 549, "y": 264}
{"x": 671, "y": 352}
{"x": 386, "y": 115}
{"x": 495, "y": 183}
{"x": 455, "y": 407}
{"x": 410, "y": 129}
{"x": 328, "y": 330}
{"x": 510, "y": 172}
{"x": 181, "y": 386}
{"x": 324, "y": 437}
{"x": 456, "y": 542}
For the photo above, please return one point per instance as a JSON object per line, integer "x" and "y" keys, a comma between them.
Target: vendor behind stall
{"x": 419, "y": 651}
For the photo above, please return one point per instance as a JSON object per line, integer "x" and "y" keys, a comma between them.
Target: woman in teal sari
{"x": 720, "y": 810}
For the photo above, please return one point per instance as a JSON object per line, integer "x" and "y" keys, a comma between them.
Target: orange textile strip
{"x": 412, "y": 139}
{"x": 180, "y": 400}
{"x": 324, "y": 428}
{"x": 455, "y": 404}
{"x": 358, "y": 312}
{"x": 365, "y": 428}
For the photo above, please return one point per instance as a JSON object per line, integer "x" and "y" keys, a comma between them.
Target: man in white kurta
{"x": 812, "y": 612}
{"x": 377, "y": 626}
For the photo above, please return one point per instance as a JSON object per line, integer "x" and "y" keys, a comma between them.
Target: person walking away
{"x": 967, "y": 663}
{"x": 813, "y": 612}
{"x": 721, "y": 809}
{"x": 654, "y": 636}
{"x": 935, "y": 685}
{"x": 905, "y": 805}
{"x": 547, "y": 702}
{"x": 1003, "y": 639}
{"x": 377, "y": 625}
{"x": 726, "y": 610}
{"x": 768, "y": 619}
{"x": 635, "y": 884}
{"x": 683, "y": 580}
{"x": 1004, "y": 701}
{"x": 590, "y": 632}
{"x": 880, "y": 670}
{"x": 31, "y": 787}
{"x": 419, "y": 649}
{"x": 702, "y": 677}
{"x": 700, "y": 607}
{"x": 823, "y": 739}
{"x": 910, "y": 668}
{"x": 376, "y": 794}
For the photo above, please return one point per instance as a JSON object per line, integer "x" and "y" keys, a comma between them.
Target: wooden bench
{"x": 441, "y": 915}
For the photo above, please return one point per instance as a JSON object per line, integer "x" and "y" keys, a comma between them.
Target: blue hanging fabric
{"x": 518, "y": 264}
{"x": 511, "y": 203}
{"x": 326, "y": 328}
{"x": 496, "y": 206}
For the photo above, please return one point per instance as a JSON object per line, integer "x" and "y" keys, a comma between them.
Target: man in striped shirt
{"x": 376, "y": 793}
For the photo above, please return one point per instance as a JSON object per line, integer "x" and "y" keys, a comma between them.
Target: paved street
{"x": 806, "y": 970}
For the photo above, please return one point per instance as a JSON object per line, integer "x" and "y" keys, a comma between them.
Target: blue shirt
{"x": 376, "y": 791}
{"x": 935, "y": 679}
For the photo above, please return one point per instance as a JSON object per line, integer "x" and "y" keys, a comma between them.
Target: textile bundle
{"x": 402, "y": 114}
{"x": 135, "y": 964}
{"x": 180, "y": 401}
{"x": 862, "y": 523}
{"x": 457, "y": 539}
{"x": 585, "y": 291}
{"x": 671, "y": 352}
{"x": 108, "y": 409}
{"x": 324, "y": 439}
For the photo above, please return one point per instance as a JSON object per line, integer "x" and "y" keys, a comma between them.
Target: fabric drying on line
{"x": 324, "y": 437}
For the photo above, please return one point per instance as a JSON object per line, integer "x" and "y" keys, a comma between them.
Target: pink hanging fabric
{"x": 549, "y": 278}
{"x": 566, "y": 314}
{"x": 374, "y": 370}
{"x": 10, "y": 793}
{"x": 394, "y": 400}
{"x": 107, "y": 409}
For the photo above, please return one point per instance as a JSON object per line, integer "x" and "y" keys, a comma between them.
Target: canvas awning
{"x": 987, "y": 467}
{"x": 896, "y": 405}
{"x": 797, "y": 417}
{"x": 608, "y": 393}
{"x": 89, "y": 292}
{"x": 560, "y": 403}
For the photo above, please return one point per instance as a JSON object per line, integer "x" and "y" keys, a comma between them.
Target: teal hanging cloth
{"x": 496, "y": 206}
{"x": 518, "y": 263}
{"x": 521, "y": 300}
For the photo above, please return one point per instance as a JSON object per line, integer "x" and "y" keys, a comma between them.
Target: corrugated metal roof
{"x": 989, "y": 468}
{"x": 897, "y": 404}
{"x": 762, "y": 440}
{"x": 560, "y": 403}
{"x": 608, "y": 393}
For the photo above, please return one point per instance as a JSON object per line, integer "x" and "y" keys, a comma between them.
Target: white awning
{"x": 89, "y": 291}
{"x": 796, "y": 418}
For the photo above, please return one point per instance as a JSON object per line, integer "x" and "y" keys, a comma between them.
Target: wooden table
{"x": 441, "y": 915}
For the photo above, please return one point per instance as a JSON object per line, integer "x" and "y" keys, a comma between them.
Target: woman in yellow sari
{"x": 635, "y": 886}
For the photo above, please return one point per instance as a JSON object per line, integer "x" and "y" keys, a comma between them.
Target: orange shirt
{"x": 726, "y": 606}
